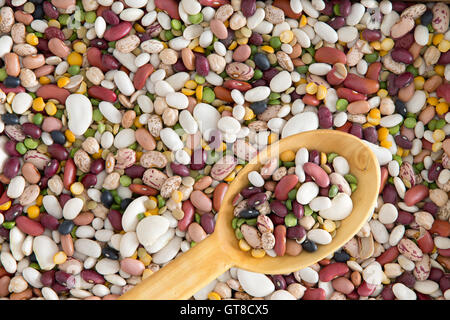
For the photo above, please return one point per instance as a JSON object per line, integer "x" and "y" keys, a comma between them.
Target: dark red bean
{"x": 289, "y": 279}
{"x": 279, "y": 282}
{"x": 257, "y": 199}
{"x": 435, "y": 274}
{"x": 421, "y": 296}
{"x": 387, "y": 293}
{"x": 444, "y": 58}
{"x": 249, "y": 191}
{"x": 403, "y": 79}
{"x": 10, "y": 148}
{"x": 179, "y": 66}
{"x": 276, "y": 219}
{"x": 201, "y": 65}
{"x": 54, "y": 32}
{"x": 402, "y": 55}
{"x": 444, "y": 282}
{"x": 392, "y": 89}
{"x": 48, "y": 278}
{"x": 403, "y": 142}
{"x": 11, "y": 167}
{"x": 370, "y": 134}
{"x": 12, "y": 213}
{"x": 50, "y": 10}
{"x": 255, "y": 39}
{"x": 98, "y": 165}
{"x": 314, "y": 157}
{"x": 248, "y": 7}
{"x": 102, "y": 93}
{"x": 434, "y": 171}
{"x": 407, "y": 278}
{"x": 92, "y": 276}
{"x": 118, "y": 31}
{"x": 179, "y": 169}
{"x": 99, "y": 43}
{"x": 110, "y": 17}
{"x": 58, "y": 152}
{"x": 298, "y": 209}
{"x": 279, "y": 208}
{"x": 65, "y": 279}
{"x": 325, "y": 118}
{"x": 51, "y": 168}
{"x": 109, "y": 62}
{"x": 297, "y": 232}
{"x": 32, "y": 130}
{"x": 49, "y": 221}
{"x": 28, "y": 226}
{"x": 115, "y": 218}
{"x": 59, "y": 288}
{"x": 63, "y": 198}
{"x": 269, "y": 74}
{"x": 207, "y": 222}
{"x": 259, "y": 83}
{"x": 198, "y": 159}
{"x": 390, "y": 194}
{"x": 89, "y": 180}
{"x": 404, "y": 218}
{"x": 399, "y": 6}
{"x": 42, "y": 45}
{"x": 344, "y": 8}
{"x": 134, "y": 171}
{"x": 371, "y": 35}
{"x": 337, "y": 22}
{"x": 430, "y": 207}
{"x": 405, "y": 42}
{"x": 356, "y": 130}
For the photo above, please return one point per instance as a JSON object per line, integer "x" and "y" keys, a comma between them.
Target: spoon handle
{"x": 185, "y": 275}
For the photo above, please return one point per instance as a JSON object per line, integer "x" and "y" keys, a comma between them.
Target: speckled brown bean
{"x": 24, "y": 295}
{"x": 31, "y": 173}
{"x": 44, "y": 70}
{"x": 58, "y": 47}
{"x": 280, "y": 240}
{"x": 33, "y": 61}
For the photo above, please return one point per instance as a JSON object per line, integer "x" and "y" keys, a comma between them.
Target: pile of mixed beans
{"x": 122, "y": 123}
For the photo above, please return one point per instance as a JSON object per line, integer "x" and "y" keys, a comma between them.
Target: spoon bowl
{"x": 194, "y": 269}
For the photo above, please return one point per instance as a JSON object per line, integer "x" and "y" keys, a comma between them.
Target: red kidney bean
{"x": 89, "y": 180}
{"x": 110, "y": 17}
{"x": 337, "y": 23}
{"x": 356, "y": 130}
{"x": 434, "y": 171}
{"x": 50, "y": 10}
{"x": 390, "y": 194}
{"x": 270, "y": 73}
{"x": 279, "y": 208}
{"x": 54, "y": 32}
{"x": 317, "y": 173}
{"x": 444, "y": 252}
{"x": 133, "y": 172}
{"x": 286, "y": 184}
{"x": 198, "y": 159}
{"x": 42, "y": 45}
{"x": 421, "y": 296}
{"x": 52, "y": 91}
{"x": 430, "y": 207}
{"x": 279, "y": 282}
{"x": 237, "y": 84}
{"x": 255, "y": 39}
{"x": 102, "y": 93}
{"x": 440, "y": 227}
{"x": 179, "y": 169}
{"x": 115, "y": 218}
{"x": 350, "y": 95}
{"x": 403, "y": 79}
{"x": 314, "y": 294}
{"x": 219, "y": 193}
{"x": 435, "y": 274}
{"x": 70, "y": 173}
{"x": 444, "y": 282}
{"x": 392, "y": 89}
{"x": 99, "y": 44}
{"x": 8, "y": 90}
{"x": 48, "y": 278}
{"x": 248, "y": 7}
{"x": 298, "y": 209}
{"x": 49, "y": 221}
{"x": 58, "y": 152}
{"x": 11, "y": 167}
{"x": 188, "y": 218}
{"x": 207, "y": 222}
{"x": 388, "y": 256}
{"x": 118, "y": 31}
{"x": 425, "y": 241}
{"x": 249, "y": 191}
{"x": 28, "y": 226}
{"x": 407, "y": 278}
{"x": 63, "y": 198}
{"x": 280, "y": 240}
{"x": 109, "y": 62}
{"x": 370, "y": 134}
{"x": 333, "y": 270}
{"x": 404, "y": 218}
{"x": 402, "y": 55}
{"x": 94, "y": 56}
{"x": 92, "y": 276}
{"x": 10, "y": 148}
{"x": 51, "y": 168}
{"x": 142, "y": 74}
{"x": 32, "y": 130}
{"x": 201, "y": 65}
{"x": 361, "y": 84}
{"x": 373, "y": 71}
{"x": 311, "y": 100}
{"x": 314, "y": 157}
{"x": 404, "y": 42}
{"x": 213, "y": 3}
{"x": 416, "y": 194}
{"x": 170, "y": 6}
{"x": 387, "y": 293}
{"x": 59, "y": 288}
{"x": 366, "y": 289}
{"x": 297, "y": 232}
{"x": 98, "y": 165}
{"x": 325, "y": 117}
{"x": 344, "y": 8}
{"x": 371, "y": 35}
{"x": 12, "y": 213}
{"x": 143, "y": 189}
{"x": 256, "y": 199}
{"x": 444, "y": 58}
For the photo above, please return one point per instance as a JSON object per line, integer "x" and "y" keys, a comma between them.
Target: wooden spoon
{"x": 194, "y": 269}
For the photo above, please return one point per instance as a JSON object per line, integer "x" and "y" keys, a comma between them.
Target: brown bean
{"x": 84, "y": 218}
{"x": 280, "y": 240}
{"x": 67, "y": 244}
{"x": 343, "y": 285}
{"x": 12, "y": 64}
{"x": 219, "y": 194}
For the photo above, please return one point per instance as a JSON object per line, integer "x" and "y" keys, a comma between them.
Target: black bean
{"x": 38, "y": 12}
{"x": 110, "y": 253}
{"x": 259, "y": 107}
{"x": 261, "y": 61}
{"x": 249, "y": 213}
{"x": 400, "y": 108}
{"x": 107, "y": 198}
{"x": 125, "y": 202}
{"x": 341, "y": 256}
{"x": 229, "y": 39}
{"x": 66, "y": 227}
{"x": 309, "y": 246}
{"x": 10, "y": 118}
{"x": 426, "y": 18}
{"x": 58, "y": 137}
{"x": 11, "y": 82}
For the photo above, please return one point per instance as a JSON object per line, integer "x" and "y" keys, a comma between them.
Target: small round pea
{"x": 258, "y": 74}
{"x": 341, "y": 105}
{"x": 238, "y": 234}
{"x": 208, "y": 95}
{"x": 90, "y": 16}
{"x": 275, "y": 42}
{"x": 290, "y": 220}
{"x": 38, "y": 118}
{"x": 3, "y": 74}
{"x": 31, "y": 143}
{"x": 199, "y": 79}
{"x": 169, "y": 35}
{"x": 331, "y": 156}
{"x": 351, "y": 178}
{"x": 289, "y": 204}
{"x": 372, "y": 57}
{"x": 398, "y": 159}
{"x": 196, "y": 18}
{"x": 125, "y": 180}
{"x": 410, "y": 122}
{"x": 394, "y": 130}
{"x": 176, "y": 24}
{"x": 440, "y": 123}
{"x": 74, "y": 70}
{"x": 432, "y": 124}
{"x": 333, "y": 191}
{"x": 97, "y": 115}
{"x": 308, "y": 210}
{"x": 292, "y": 194}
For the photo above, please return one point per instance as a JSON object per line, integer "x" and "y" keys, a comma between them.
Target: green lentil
{"x": 161, "y": 201}
{"x": 341, "y": 105}
{"x": 208, "y": 95}
{"x": 38, "y": 118}
{"x": 196, "y": 18}
{"x": 251, "y": 222}
{"x": 275, "y": 43}
{"x": 394, "y": 130}
{"x": 333, "y": 191}
{"x": 290, "y": 220}
{"x": 3, "y": 74}
{"x": 410, "y": 122}
{"x": 20, "y": 148}
{"x": 350, "y": 178}
{"x": 238, "y": 234}
{"x": 125, "y": 181}
{"x": 308, "y": 210}
{"x": 31, "y": 143}
{"x": 9, "y": 224}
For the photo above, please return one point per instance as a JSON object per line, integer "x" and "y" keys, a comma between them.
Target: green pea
{"x": 432, "y": 124}
{"x": 274, "y": 102}
{"x": 176, "y": 24}
{"x": 333, "y": 191}
{"x": 97, "y": 115}
{"x": 208, "y": 95}
{"x": 253, "y": 49}
{"x": 341, "y": 104}
{"x": 419, "y": 166}
{"x": 90, "y": 16}
{"x": 290, "y": 220}
{"x": 292, "y": 194}
{"x": 240, "y": 222}
{"x": 20, "y": 147}
{"x": 39, "y": 35}
{"x": 59, "y": 113}
{"x": 31, "y": 143}
{"x": 308, "y": 210}
{"x": 238, "y": 234}
{"x": 112, "y": 44}
{"x": 433, "y": 185}
{"x": 336, "y": 10}
{"x": 3, "y": 74}
{"x": 197, "y": 217}
{"x": 275, "y": 42}
{"x": 440, "y": 123}
{"x": 9, "y": 224}
{"x": 34, "y": 265}
{"x": 169, "y": 35}
{"x": 199, "y": 79}
{"x": 89, "y": 133}
{"x": 274, "y": 95}
{"x": 161, "y": 201}
{"x": 354, "y": 186}
{"x": 302, "y": 69}
{"x": 350, "y": 178}
{"x": 234, "y": 223}
{"x": 410, "y": 122}
{"x": 74, "y": 70}
{"x": 196, "y": 18}
{"x": 258, "y": 74}
{"x": 125, "y": 180}
{"x": 331, "y": 156}
{"x": 140, "y": 216}
{"x": 394, "y": 130}
{"x": 38, "y": 118}
{"x": 413, "y": 70}
{"x": 372, "y": 57}
{"x": 117, "y": 200}
{"x": 251, "y": 222}
{"x": 289, "y": 204}
{"x": 398, "y": 159}
{"x": 73, "y": 151}
{"x": 383, "y": 85}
